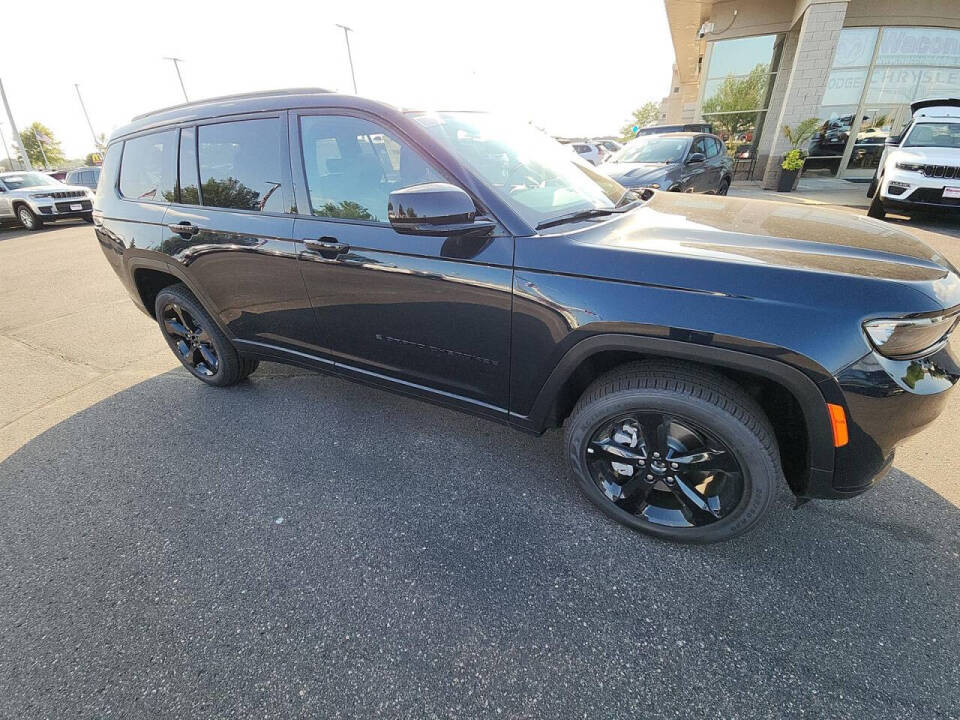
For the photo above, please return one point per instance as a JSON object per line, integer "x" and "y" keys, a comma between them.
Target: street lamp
{"x": 176, "y": 64}
{"x": 96, "y": 144}
{"x": 346, "y": 36}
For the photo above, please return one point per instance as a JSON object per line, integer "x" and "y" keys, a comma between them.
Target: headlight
{"x": 655, "y": 186}
{"x": 913, "y": 167}
{"x": 904, "y": 339}
{"x": 40, "y": 195}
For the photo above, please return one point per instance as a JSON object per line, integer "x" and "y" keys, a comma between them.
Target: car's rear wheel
{"x": 674, "y": 450}
{"x": 28, "y": 218}
{"x": 876, "y": 209}
{"x": 197, "y": 341}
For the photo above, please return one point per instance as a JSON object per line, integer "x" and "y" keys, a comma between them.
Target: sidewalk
{"x": 811, "y": 191}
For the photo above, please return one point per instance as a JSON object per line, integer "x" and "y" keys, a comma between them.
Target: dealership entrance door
{"x": 877, "y": 123}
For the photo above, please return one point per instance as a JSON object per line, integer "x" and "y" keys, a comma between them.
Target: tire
{"x": 28, "y": 218}
{"x": 87, "y": 217}
{"x": 876, "y": 209}
{"x": 197, "y": 341}
{"x": 872, "y": 187}
{"x": 724, "y": 186}
{"x": 690, "y": 396}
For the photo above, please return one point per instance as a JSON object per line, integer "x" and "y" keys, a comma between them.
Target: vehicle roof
{"x": 247, "y": 103}
{"x": 677, "y": 133}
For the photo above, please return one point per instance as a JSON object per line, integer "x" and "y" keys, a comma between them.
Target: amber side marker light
{"x": 838, "y": 419}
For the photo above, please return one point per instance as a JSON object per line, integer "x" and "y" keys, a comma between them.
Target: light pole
{"x": 46, "y": 164}
{"x": 176, "y": 64}
{"x": 346, "y": 36}
{"x": 17, "y": 143}
{"x": 6, "y": 150}
{"x": 96, "y": 145}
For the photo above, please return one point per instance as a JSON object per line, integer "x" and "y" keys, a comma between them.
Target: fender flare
{"x": 820, "y": 449}
{"x": 142, "y": 262}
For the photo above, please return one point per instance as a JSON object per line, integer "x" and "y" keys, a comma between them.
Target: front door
{"x": 425, "y": 313}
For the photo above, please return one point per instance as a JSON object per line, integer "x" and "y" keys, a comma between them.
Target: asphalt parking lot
{"x": 299, "y": 546}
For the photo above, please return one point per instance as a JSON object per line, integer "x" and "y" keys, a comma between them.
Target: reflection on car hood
{"x": 635, "y": 172}
{"x": 741, "y": 233}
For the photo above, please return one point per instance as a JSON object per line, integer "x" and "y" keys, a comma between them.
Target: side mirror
{"x": 438, "y": 209}
{"x": 696, "y": 158}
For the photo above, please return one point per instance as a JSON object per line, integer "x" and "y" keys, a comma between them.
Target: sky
{"x": 572, "y": 69}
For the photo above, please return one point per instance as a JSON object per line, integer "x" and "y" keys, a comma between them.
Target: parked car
{"x": 699, "y": 352}
{"x": 57, "y": 174}
{"x": 919, "y": 170}
{"x": 678, "y": 162}
{"x": 86, "y": 176}
{"x": 33, "y": 198}
{"x": 688, "y": 127}
{"x": 593, "y": 153}
{"x": 611, "y": 146}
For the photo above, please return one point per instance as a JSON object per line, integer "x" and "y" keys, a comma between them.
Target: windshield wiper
{"x": 579, "y": 215}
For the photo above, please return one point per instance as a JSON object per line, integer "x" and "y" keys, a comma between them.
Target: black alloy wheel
{"x": 665, "y": 469}
{"x": 193, "y": 344}
{"x": 196, "y": 339}
{"x": 675, "y": 450}
{"x": 724, "y": 187}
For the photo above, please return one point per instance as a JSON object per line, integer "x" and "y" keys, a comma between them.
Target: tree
{"x": 739, "y": 98}
{"x": 641, "y": 117}
{"x": 802, "y": 132}
{"x": 31, "y": 138}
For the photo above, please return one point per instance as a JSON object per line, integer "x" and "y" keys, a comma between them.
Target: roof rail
{"x": 238, "y": 96}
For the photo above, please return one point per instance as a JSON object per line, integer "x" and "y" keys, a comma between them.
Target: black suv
{"x": 698, "y": 350}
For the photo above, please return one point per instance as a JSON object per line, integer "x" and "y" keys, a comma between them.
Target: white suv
{"x": 33, "y": 198}
{"x": 920, "y": 170}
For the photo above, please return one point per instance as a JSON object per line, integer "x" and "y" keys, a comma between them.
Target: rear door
{"x": 428, "y": 313}
{"x": 715, "y": 158}
{"x": 696, "y": 175}
{"x": 234, "y": 204}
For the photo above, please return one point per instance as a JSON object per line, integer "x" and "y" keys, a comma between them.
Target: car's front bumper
{"x": 906, "y": 190}
{"x": 886, "y": 401}
{"x": 55, "y": 209}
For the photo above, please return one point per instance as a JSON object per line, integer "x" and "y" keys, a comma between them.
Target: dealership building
{"x": 751, "y": 67}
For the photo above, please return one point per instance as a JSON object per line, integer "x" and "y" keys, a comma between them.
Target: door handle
{"x": 184, "y": 229}
{"x": 327, "y": 246}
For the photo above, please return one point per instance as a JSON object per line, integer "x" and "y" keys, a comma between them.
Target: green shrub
{"x": 793, "y": 160}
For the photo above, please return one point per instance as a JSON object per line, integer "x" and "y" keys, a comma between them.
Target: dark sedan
{"x": 679, "y": 162}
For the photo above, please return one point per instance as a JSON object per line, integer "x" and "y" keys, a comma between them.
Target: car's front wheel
{"x": 28, "y": 218}
{"x": 724, "y": 186}
{"x": 197, "y": 341}
{"x": 674, "y": 450}
{"x": 876, "y": 209}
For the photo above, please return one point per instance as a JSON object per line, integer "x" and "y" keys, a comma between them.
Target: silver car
{"x": 34, "y": 198}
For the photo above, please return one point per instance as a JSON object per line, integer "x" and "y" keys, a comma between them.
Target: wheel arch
{"x": 150, "y": 276}
{"x": 792, "y": 401}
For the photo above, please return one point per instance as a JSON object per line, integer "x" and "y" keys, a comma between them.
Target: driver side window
{"x": 352, "y": 165}
{"x": 698, "y": 146}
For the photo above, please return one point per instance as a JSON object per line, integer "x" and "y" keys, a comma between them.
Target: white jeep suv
{"x": 920, "y": 169}
{"x": 33, "y": 198}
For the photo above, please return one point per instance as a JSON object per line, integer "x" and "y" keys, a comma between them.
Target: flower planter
{"x": 788, "y": 180}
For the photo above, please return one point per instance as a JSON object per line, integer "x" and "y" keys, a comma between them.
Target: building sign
{"x": 904, "y": 85}
{"x": 919, "y": 46}
{"x": 855, "y": 47}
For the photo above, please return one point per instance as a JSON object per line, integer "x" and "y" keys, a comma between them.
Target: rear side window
{"x": 108, "y": 171}
{"x": 712, "y": 148}
{"x": 189, "y": 179}
{"x": 148, "y": 170}
{"x": 240, "y": 165}
{"x": 71, "y": 178}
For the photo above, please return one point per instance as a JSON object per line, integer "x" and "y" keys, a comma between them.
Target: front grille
{"x": 942, "y": 171}
{"x": 933, "y": 195}
{"x": 68, "y": 194}
{"x": 65, "y": 207}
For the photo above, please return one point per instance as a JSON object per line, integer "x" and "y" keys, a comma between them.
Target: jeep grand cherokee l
{"x": 698, "y": 350}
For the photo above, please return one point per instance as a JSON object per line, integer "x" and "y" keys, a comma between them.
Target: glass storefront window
{"x": 906, "y": 84}
{"x": 736, "y": 90}
{"x": 825, "y": 148}
{"x": 845, "y": 86}
{"x": 855, "y": 47}
{"x": 919, "y": 46}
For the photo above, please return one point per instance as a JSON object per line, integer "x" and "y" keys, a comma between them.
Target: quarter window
{"x": 240, "y": 165}
{"x": 148, "y": 170}
{"x": 352, "y": 165}
{"x": 108, "y": 171}
{"x": 713, "y": 149}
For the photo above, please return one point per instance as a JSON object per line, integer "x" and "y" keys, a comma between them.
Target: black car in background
{"x": 678, "y": 162}
{"x": 699, "y": 352}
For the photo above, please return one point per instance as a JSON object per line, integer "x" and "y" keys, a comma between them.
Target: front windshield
{"x": 652, "y": 149}
{"x": 538, "y": 177}
{"x": 19, "y": 181}
{"x": 945, "y": 134}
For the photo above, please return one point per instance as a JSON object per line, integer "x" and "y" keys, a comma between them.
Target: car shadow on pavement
{"x": 300, "y": 545}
